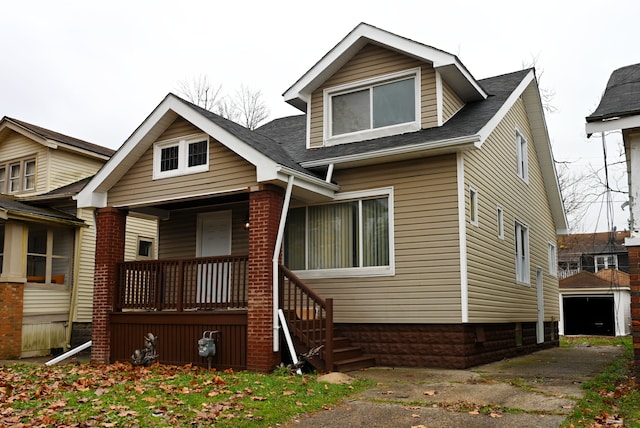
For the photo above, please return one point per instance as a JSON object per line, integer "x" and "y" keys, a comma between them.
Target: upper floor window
{"x": 18, "y": 176}
{"x": 473, "y": 206}
{"x": 522, "y": 252}
{"x": 553, "y": 258}
{"x": 373, "y": 108}
{"x": 606, "y": 261}
{"x": 350, "y": 237}
{"x": 522, "y": 163}
{"x": 500, "y": 221}
{"x": 181, "y": 156}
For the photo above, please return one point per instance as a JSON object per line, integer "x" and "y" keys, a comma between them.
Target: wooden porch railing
{"x": 309, "y": 317}
{"x": 182, "y": 284}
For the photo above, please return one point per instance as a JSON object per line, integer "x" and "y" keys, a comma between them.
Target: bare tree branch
{"x": 200, "y": 91}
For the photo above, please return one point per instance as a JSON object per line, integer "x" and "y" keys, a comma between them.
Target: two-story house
{"x": 408, "y": 216}
{"x": 47, "y": 243}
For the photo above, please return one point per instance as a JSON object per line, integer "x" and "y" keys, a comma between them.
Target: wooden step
{"x": 356, "y": 363}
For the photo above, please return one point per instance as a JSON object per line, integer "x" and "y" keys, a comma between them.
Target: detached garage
{"x": 595, "y": 304}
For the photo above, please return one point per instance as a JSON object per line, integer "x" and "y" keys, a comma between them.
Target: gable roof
{"x": 603, "y": 279}
{"x": 593, "y": 243}
{"x": 448, "y": 65}
{"x": 271, "y": 161}
{"x": 619, "y": 106}
{"x": 54, "y": 139}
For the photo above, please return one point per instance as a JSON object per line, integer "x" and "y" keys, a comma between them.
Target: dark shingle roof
{"x": 61, "y": 138}
{"x": 16, "y": 207}
{"x": 290, "y": 131}
{"x": 621, "y": 96}
{"x": 592, "y": 243}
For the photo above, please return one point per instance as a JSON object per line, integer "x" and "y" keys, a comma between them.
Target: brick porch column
{"x": 12, "y": 280}
{"x": 634, "y": 285}
{"x": 110, "y": 234}
{"x": 265, "y": 207}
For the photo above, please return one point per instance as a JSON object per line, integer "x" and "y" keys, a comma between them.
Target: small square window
{"x": 169, "y": 158}
{"x": 145, "y": 248}
{"x": 197, "y": 153}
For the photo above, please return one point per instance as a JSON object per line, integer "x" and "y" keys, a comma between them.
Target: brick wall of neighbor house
{"x": 452, "y": 346}
{"x": 110, "y": 240}
{"x": 634, "y": 285}
{"x": 265, "y": 207}
{"x": 11, "y": 302}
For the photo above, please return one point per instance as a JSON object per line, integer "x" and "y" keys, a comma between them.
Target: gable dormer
{"x": 374, "y": 84}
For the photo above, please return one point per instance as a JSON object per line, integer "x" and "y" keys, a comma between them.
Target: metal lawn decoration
{"x": 147, "y": 355}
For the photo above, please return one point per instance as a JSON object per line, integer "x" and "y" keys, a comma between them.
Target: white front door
{"x": 213, "y": 239}
{"x": 540, "y": 294}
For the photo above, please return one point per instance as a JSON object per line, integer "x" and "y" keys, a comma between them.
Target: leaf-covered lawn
{"x": 120, "y": 395}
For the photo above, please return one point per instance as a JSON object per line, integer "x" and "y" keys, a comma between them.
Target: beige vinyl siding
{"x": 370, "y": 62}
{"x": 67, "y": 167}
{"x": 426, "y": 284}
{"x": 46, "y": 300}
{"x": 494, "y": 295}
{"x": 227, "y": 171}
{"x": 177, "y": 237}
{"x": 86, "y": 267}
{"x": 136, "y": 228}
{"x": 451, "y": 103}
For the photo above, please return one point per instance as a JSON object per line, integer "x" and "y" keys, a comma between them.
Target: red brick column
{"x": 265, "y": 207}
{"x": 634, "y": 284}
{"x": 11, "y": 302}
{"x": 110, "y": 233}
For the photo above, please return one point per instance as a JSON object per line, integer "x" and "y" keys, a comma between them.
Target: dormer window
{"x": 18, "y": 176}
{"x": 181, "y": 156}
{"x": 373, "y": 108}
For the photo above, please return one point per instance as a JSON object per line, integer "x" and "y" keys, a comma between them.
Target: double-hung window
{"x": 18, "y": 176}
{"x": 372, "y": 108}
{"x": 522, "y": 252}
{"x": 522, "y": 162}
{"x": 181, "y": 156}
{"x": 606, "y": 261}
{"x": 352, "y": 236}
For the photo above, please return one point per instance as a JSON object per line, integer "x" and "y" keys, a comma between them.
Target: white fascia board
{"x": 453, "y": 143}
{"x": 313, "y": 184}
{"x": 26, "y": 132}
{"x": 615, "y": 124}
{"x": 358, "y": 38}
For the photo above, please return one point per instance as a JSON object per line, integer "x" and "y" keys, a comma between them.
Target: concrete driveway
{"x": 536, "y": 390}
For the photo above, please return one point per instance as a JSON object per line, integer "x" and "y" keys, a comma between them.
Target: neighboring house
{"x": 619, "y": 109}
{"x": 592, "y": 252}
{"x": 595, "y": 304}
{"x": 47, "y": 258}
{"x": 421, "y": 208}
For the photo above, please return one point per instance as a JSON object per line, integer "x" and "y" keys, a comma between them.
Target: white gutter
{"x": 276, "y": 254}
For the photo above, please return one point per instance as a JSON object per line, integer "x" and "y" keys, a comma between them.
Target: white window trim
{"x": 473, "y": 206}
{"x": 183, "y": 153}
{"x": 553, "y": 258}
{"x": 605, "y": 262}
{"x": 152, "y": 249}
{"x": 525, "y": 277}
{"x": 330, "y": 140}
{"x": 359, "y": 271}
{"x": 21, "y": 178}
{"x": 500, "y": 221}
{"x": 522, "y": 156}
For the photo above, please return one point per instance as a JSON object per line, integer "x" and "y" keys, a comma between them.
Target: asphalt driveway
{"x": 539, "y": 390}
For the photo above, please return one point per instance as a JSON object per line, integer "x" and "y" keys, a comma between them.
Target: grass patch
{"x": 611, "y": 396}
{"x": 119, "y": 395}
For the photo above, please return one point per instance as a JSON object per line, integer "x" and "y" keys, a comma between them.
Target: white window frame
{"x": 25, "y": 176}
{"x": 605, "y": 262}
{"x": 500, "y": 221}
{"x": 359, "y": 271}
{"x": 20, "y": 179}
{"x": 473, "y": 206}
{"x": 522, "y": 261}
{"x": 328, "y": 93}
{"x": 553, "y": 258}
{"x": 522, "y": 156}
{"x": 183, "y": 156}
{"x": 152, "y": 248}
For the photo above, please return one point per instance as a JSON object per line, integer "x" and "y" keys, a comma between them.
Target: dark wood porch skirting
{"x": 454, "y": 346}
{"x": 178, "y": 335}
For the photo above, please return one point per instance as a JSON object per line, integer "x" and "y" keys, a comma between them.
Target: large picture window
{"x": 377, "y": 107}
{"x": 181, "y": 156}
{"x": 352, "y": 235}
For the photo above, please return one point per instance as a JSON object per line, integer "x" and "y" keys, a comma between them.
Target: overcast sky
{"x": 95, "y": 70}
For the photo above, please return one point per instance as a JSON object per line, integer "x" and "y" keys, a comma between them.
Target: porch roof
{"x": 13, "y": 209}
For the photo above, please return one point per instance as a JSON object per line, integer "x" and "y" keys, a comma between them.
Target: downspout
{"x": 276, "y": 254}
{"x": 329, "y": 173}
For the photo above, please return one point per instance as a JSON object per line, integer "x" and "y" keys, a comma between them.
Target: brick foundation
{"x": 110, "y": 239}
{"x": 453, "y": 346}
{"x": 634, "y": 285}
{"x": 11, "y": 303}
{"x": 265, "y": 207}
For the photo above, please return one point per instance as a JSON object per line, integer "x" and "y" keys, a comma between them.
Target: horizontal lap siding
{"x": 494, "y": 295}
{"x": 227, "y": 171}
{"x": 426, "y": 284}
{"x": 138, "y": 228}
{"x": 370, "y": 62}
{"x": 66, "y": 168}
{"x": 46, "y": 300}
{"x": 86, "y": 267}
{"x": 451, "y": 103}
